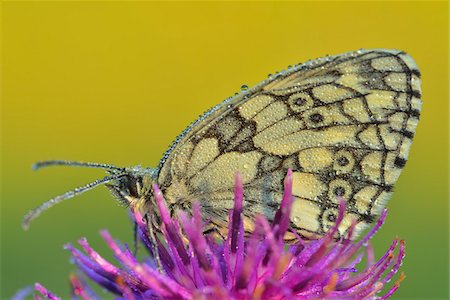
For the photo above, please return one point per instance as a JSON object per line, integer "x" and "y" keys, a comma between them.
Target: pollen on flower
{"x": 331, "y": 286}
{"x": 190, "y": 265}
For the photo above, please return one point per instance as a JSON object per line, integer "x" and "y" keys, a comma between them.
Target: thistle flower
{"x": 260, "y": 266}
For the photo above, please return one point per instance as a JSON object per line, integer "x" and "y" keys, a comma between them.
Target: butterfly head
{"x": 133, "y": 189}
{"x": 130, "y": 186}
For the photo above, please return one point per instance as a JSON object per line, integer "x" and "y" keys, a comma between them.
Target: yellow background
{"x": 117, "y": 81}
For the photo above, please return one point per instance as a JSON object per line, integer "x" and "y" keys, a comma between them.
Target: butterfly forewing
{"x": 343, "y": 124}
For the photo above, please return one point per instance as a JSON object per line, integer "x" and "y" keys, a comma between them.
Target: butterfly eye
{"x": 134, "y": 186}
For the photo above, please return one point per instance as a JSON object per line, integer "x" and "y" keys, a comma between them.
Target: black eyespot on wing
{"x": 299, "y": 101}
{"x": 343, "y": 161}
{"x": 331, "y": 217}
{"x": 339, "y": 191}
{"x": 399, "y": 162}
{"x": 316, "y": 118}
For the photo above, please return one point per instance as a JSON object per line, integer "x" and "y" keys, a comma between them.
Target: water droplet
{"x": 244, "y": 87}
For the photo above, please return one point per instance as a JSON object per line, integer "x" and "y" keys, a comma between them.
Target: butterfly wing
{"x": 343, "y": 124}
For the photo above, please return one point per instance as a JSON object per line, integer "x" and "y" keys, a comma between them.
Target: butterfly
{"x": 343, "y": 124}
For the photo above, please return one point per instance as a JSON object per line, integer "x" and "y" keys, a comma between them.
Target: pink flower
{"x": 260, "y": 266}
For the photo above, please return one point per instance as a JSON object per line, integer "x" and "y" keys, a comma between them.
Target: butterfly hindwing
{"x": 343, "y": 124}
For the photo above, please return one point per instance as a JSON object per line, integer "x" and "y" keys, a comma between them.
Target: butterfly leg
{"x": 151, "y": 233}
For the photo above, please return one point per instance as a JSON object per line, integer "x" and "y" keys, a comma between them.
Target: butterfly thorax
{"x": 178, "y": 196}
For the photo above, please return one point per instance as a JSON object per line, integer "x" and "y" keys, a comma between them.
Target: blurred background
{"x": 116, "y": 82}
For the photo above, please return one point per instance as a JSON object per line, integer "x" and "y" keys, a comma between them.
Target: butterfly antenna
{"x": 34, "y": 213}
{"x": 51, "y": 163}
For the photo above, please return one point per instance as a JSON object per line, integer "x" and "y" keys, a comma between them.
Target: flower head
{"x": 258, "y": 266}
